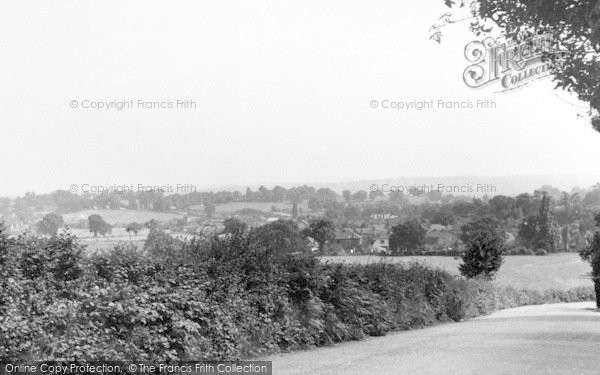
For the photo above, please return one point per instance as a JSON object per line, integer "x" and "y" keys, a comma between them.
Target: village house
{"x": 347, "y": 239}
{"x": 381, "y": 243}
{"x": 441, "y": 236}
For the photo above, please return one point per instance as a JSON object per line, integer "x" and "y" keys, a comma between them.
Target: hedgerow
{"x": 231, "y": 302}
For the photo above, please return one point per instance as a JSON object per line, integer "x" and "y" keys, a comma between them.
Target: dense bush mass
{"x": 239, "y": 301}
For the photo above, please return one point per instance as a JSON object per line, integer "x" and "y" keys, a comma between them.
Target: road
{"x": 545, "y": 339}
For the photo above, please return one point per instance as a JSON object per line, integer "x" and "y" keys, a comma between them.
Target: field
{"x": 120, "y": 216}
{"x": 555, "y": 271}
{"x": 228, "y": 208}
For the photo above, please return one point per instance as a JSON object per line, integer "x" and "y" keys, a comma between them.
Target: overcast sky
{"x": 282, "y": 90}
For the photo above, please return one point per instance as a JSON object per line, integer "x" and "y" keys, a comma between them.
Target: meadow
{"x": 121, "y": 216}
{"x": 231, "y": 207}
{"x": 561, "y": 271}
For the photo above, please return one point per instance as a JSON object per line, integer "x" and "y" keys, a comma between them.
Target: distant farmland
{"x": 231, "y": 207}
{"x": 120, "y": 216}
{"x": 555, "y": 271}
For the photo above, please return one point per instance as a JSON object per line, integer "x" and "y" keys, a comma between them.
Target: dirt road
{"x": 546, "y": 339}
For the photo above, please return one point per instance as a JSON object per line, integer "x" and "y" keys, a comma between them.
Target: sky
{"x": 282, "y": 90}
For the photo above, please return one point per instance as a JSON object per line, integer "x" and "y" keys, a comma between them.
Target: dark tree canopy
{"x": 409, "y": 235}
{"x": 485, "y": 224}
{"x": 483, "y": 255}
{"x": 50, "y": 223}
{"x": 591, "y": 254}
{"x": 278, "y": 238}
{"x": 96, "y": 224}
{"x": 322, "y": 231}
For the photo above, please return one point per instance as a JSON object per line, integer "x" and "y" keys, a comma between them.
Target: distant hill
{"x": 504, "y": 185}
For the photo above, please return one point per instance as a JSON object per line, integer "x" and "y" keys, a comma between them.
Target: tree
{"x": 540, "y": 231}
{"x": 133, "y": 228}
{"x": 234, "y": 226}
{"x": 133, "y": 204}
{"x": 50, "y": 223}
{"x": 502, "y": 206}
{"x": 360, "y": 196}
{"x": 525, "y": 203}
{"x": 409, "y": 235}
{"x": 483, "y": 255}
{"x": 160, "y": 245}
{"x": 278, "y": 238}
{"x": 443, "y": 217}
{"x": 396, "y": 196}
{"x": 434, "y": 195}
{"x": 322, "y": 231}
{"x": 96, "y": 224}
{"x": 593, "y": 196}
{"x": 209, "y": 209}
{"x": 295, "y": 211}
{"x": 485, "y": 224}
{"x": 573, "y": 25}
{"x": 591, "y": 254}
{"x": 374, "y": 194}
{"x": 347, "y": 194}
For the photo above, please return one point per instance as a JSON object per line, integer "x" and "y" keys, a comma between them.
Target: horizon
{"x": 260, "y": 95}
{"x": 531, "y": 183}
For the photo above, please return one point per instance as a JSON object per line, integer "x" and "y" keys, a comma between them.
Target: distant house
{"x": 347, "y": 239}
{"x": 381, "y": 243}
{"x": 383, "y": 216}
{"x": 442, "y": 236}
{"x": 510, "y": 238}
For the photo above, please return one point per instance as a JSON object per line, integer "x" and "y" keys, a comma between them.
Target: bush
{"x": 541, "y": 252}
{"x": 233, "y": 302}
{"x": 483, "y": 255}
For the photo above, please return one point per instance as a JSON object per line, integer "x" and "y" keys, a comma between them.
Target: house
{"x": 347, "y": 239}
{"x": 381, "y": 243}
{"x": 510, "y": 238}
{"x": 442, "y": 236}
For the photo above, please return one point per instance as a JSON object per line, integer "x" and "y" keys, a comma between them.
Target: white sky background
{"x": 283, "y": 90}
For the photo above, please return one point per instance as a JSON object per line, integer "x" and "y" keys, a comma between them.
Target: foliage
{"x": 483, "y": 224}
{"x": 97, "y": 225}
{"x": 540, "y": 231}
{"x": 409, "y": 235}
{"x": 322, "y": 231}
{"x": 483, "y": 255}
{"x": 209, "y": 209}
{"x": 232, "y": 302}
{"x": 278, "y": 238}
{"x": 50, "y": 223}
{"x": 134, "y": 228}
{"x": 574, "y": 25}
{"x": 234, "y": 226}
{"x": 591, "y": 254}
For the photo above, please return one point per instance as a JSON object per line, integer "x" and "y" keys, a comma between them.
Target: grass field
{"x": 228, "y": 208}
{"x": 555, "y": 271}
{"x": 120, "y": 216}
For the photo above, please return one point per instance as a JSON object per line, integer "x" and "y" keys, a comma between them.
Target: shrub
{"x": 232, "y": 302}
{"x": 483, "y": 255}
{"x": 541, "y": 252}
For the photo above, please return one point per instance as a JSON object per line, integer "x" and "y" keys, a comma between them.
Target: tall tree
{"x": 50, "y": 223}
{"x": 591, "y": 254}
{"x": 409, "y": 235}
{"x": 96, "y": 224}
{"x": 483, "y": 255}
{"x": 322, "y": 231}
{"x": 483, "y": 224}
